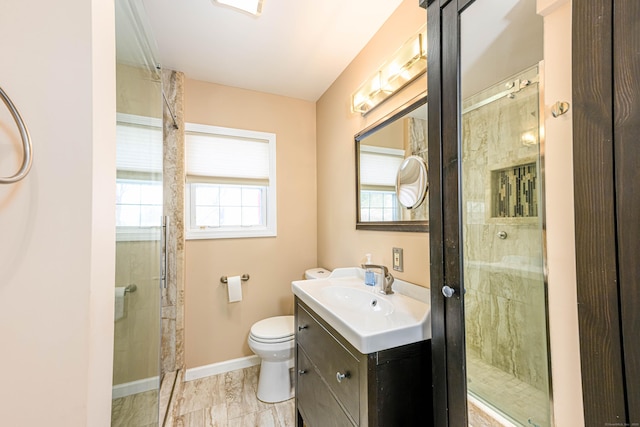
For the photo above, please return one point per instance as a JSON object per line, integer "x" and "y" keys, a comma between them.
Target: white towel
{"x": 119, "y": 305}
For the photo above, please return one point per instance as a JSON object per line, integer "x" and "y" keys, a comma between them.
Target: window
{"x": 378, "y": 206}
{"x": 138, "y": 177}
{"x": 231, "y": 183}
{"x": 378, "y": 170}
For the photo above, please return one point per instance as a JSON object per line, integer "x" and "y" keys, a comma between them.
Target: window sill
{"x": 229, "y": 234}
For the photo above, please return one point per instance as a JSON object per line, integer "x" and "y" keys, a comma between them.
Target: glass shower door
{"x": 505, "y": 303}
{"x": 505, "y": 318}
{"x": 139, "y": 209}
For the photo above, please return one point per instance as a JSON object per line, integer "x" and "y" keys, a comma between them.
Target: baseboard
{"x": 221, "y": 367}
{"x": 134, "y": 387}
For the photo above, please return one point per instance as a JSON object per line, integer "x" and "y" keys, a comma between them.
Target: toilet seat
{"x": 273, "y": 330}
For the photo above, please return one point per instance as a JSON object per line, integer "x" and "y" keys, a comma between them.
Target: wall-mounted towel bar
{"x": 26, "y": 142}
{"x": 244, "y": 278}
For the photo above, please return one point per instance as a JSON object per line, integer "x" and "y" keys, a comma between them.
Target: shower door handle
{"x": 448, "y": 291}
{"x": 164, "y": 259}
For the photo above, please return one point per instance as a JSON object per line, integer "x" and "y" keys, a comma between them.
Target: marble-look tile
{"x": 166, "y": 388}
{"x": 201, "y": 393}
{"x": 226, "y": 400}
{"x": 286, "y": 413}
{"x": 135, "y": 410}
{"x": 265, "y": 418}
{"x": 172, "y": 409}
{"x": 514, "y": 397}
{"x": 173, "y": 189}
{"x": 240, "y": 387}
{"x": 215, "y": 416}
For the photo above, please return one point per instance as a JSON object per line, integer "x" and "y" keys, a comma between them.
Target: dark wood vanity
{"x": 336, "y": 385}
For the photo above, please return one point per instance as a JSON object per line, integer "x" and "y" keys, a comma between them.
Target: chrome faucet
{"x": 387, "y": 278}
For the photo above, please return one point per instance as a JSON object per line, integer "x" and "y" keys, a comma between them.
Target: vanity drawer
{"x": 316, "y": 404}
{"x": 332, "y": 360}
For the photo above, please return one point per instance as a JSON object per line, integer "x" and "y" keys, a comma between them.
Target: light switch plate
{"x": 397, "y": 259}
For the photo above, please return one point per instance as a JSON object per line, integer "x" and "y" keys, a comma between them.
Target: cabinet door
{"x": 332, "y": 360}
{"x": 316, "y": 404}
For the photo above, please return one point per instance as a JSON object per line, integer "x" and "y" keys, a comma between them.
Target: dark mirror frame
{"x": 411, "y": 226}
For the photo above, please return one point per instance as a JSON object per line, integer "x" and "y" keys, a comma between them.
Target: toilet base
{"x": 274, "y": 383}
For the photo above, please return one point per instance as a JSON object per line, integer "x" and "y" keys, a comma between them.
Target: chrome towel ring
{"x": 26, "y": 142}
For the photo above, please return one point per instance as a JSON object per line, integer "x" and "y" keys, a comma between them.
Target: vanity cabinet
{"x": 336, "y": 385}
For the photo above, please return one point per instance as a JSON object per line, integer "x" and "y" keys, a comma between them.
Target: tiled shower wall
{"x": 172, "y": 352}
{"x": 505, "y": 299}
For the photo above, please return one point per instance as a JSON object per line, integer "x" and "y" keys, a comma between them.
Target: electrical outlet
{"x": 397, "y": 259}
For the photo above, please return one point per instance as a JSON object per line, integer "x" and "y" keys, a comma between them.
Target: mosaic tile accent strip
{"x": 515, "y": 191}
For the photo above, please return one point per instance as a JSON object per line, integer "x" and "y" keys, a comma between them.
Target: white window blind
{"x": 138, "y": 144}
{"x": 224, "y": 153}
{"x": 379, "y": 166}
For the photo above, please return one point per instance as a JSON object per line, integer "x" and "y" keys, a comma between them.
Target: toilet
{"x": 272, "y": 340}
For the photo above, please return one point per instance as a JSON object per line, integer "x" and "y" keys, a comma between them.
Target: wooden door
{"x": 449, "y": 379}
{"x": 606, "y": 63}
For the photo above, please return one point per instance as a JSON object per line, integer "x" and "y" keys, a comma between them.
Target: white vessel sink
{"x": 369, "y": 321}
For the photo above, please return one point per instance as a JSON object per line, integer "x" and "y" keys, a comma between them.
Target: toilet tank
{"x": 317, "y": 273}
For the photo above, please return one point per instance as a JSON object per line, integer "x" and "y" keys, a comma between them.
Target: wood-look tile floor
{"x": 136, "y": 410}
{"x": 226, "y": 400}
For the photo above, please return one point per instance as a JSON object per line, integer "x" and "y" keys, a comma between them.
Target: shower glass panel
{"x": 502, "y": 214}
{"x": 136, "y": 364}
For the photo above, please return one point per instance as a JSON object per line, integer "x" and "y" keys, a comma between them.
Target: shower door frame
{"x": 446, "y": 249}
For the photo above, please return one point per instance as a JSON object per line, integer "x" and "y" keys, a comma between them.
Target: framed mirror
{"x": 391, "y": 171}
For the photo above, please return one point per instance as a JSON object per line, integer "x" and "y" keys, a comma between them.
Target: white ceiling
{"x": 296, "y": 48}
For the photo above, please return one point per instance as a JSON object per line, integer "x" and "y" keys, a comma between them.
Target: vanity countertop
{"x": 369, "y": 321}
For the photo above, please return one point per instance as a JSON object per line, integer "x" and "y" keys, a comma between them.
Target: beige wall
{"x": 216, "y": 330}
{"x": 138, "y": 91}
{"x": 57, "y": 227}
{"x": 339, "y": 243}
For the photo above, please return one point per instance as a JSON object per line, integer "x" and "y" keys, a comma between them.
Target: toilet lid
{"x": 273, "y": 328}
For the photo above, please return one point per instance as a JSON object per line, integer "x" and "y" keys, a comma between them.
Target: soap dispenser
{"x": 369, "y": 275}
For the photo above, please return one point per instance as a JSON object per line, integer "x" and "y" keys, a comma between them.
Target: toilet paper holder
{"x": 244, "y": 278}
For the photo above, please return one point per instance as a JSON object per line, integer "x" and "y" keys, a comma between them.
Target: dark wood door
{"x": 449, "y": 239}
{"x": 606, "y": 97}
{"x": 448, "y": 349}
{"x": 626, "y": 70}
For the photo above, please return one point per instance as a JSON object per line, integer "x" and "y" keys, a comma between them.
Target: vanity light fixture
{"x": 253, "y": 7}
{"x": 406, "y": 64}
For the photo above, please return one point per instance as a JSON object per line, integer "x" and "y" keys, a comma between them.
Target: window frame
{"x": 231, "y": 232}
